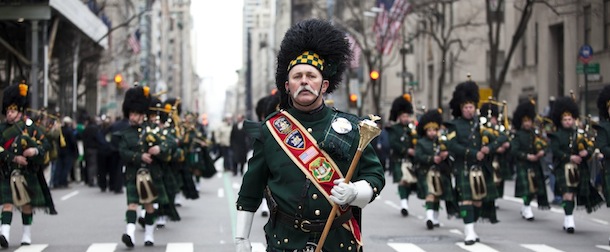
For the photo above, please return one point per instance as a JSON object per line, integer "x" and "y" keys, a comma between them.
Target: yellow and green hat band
{"x": 309, "y": 58}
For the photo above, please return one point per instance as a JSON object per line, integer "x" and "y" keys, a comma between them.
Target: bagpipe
{"x": 17, "y": 141}
{"x": 52, "y": 126}
{"x": 491, "y": 131}
{"x": 149, "y": 137}
{"x": 433, "y": 177}
{"x": 198, "y": 155}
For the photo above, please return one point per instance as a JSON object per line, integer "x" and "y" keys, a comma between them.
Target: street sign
{"x": 413, "y": 83}
{"x": 591, "y": 68}
{"x": 585, "y": 54}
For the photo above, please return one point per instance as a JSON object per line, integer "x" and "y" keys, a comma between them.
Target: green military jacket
{"x": 295, "y": 195}
{"x": 463, "y": 142}
{"x": 401, "y": 139}
{"x": 135, "y": 141}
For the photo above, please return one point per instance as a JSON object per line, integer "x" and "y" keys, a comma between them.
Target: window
{"x": 587, "y": 17}
{"x": 606, "y": 24}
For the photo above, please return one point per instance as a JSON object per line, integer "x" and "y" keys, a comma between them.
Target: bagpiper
{"x": 402, "y": 135}
{"x": 602, "y": 140}
{"x": 22, "y": 154}
{"x": 528, "y": 148}
{"x": 141, "y": 149}
{"x": 465, "y": 144}
{"x": 433, "y": 168}
{"x": 571, "y": 151}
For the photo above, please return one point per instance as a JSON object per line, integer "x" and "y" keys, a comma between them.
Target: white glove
{"x": 243, "y": 245}
{"x": 242, "y": 231}
{"x": 343, "y": 193}
{"x": 357, "y": 194}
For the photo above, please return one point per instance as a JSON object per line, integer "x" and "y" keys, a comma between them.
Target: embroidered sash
{"x": 316, "y": 164}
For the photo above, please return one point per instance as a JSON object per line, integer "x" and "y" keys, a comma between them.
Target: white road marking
{"x": 405, "y": 247}
{"x": 540, "y": 248}
{"x": 604, "y": 247}
{"x": 221, "y": 193}
{"x": 456, "y": 231}
{"x": 392, "y": 204}
{"x": 69, "y": 195}
{"x": 180, "y": 247}
{"x": 258, "y": 247}
{"x": 32, "y": 248}
{"x": 603, "y": 222}
{"x": 102, "y": 247}
{"x": 477, "y": 247}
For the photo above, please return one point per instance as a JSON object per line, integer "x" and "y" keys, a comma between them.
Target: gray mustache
{"x": 307, "y": 88}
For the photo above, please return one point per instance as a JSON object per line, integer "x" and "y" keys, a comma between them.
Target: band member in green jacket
{"x": 434, "y": 173}
{"x": 305, "y": 150}
{"x": 142, "y": 150}
{"x": 527, "y": 148}
{"x": 465, "y": 144}
{"x": 22, "y": 154}
{"x": 602, "y": 140}
{"x": 403, "y": 137}
{"x": 571, "y": 151}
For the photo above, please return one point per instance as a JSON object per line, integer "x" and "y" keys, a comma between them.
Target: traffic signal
{"x": 374, "y": 75}
{"x": 353, "y": 100}
{"x": 118, "y": 80}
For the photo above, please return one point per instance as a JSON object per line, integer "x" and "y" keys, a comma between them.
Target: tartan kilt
{"x": 522, "y": 182}
{"x": 587, "y": 196}
{"x": 36, "y": 196}
{"x": 132, "y": 191}
{"x": 462, "y": 184}
{"x": 422, "y": 185}
{"x": 561, "y": 185}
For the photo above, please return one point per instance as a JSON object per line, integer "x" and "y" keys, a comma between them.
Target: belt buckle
{"x": 304, "y": 229}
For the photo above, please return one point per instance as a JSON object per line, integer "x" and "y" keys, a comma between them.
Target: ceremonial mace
{"x": 368, "y": 130}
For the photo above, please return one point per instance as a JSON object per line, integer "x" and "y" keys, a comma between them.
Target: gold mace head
{"x": 368, "y": 130}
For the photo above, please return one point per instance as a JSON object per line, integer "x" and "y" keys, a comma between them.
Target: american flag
{"x": 134, "y": 41}
{"x": 389, "y": 22}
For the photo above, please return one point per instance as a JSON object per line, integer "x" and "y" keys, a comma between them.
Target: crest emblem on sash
{"x": 321, "y": 169}
{"x": 282, "y": 125}
{"x": 295, "y": 139}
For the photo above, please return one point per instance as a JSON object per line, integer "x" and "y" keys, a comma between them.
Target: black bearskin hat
{"x": 564, "y": 105}
{"x": 137, "y": 99}
{"x": 267, "y": 105}
{"x": 603, "y": 100}
{"x": 431, "y": 119}
{"x": 523, "y": 110}
{"x": 489, "y": 106}
{"x": 15, "y": 97}
{"x": 401, "y": 104}
{"x": 317, "y": 43}
{"x": 465, "y": 92}
{"x": 174, "y": 102}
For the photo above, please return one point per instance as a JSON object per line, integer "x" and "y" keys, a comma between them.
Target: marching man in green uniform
{"x": 142, "y": 151}
{"x": 434, "y": 173}
{"x": 305, "y": 150}
{"x": 22, "y": 153}
{"x": 402, "y": 137}
{"x": 602, "y": 140}
{"x": 528, "y": 148}
{"x": 464, "y": 142}
{"x": 571, "y": 151}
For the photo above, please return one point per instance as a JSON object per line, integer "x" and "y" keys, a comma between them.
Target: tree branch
{"x": 126, "y": 23}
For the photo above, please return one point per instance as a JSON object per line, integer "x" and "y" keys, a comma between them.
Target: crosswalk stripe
{"x": 32, "y": 248}
{"x": 604, "y": 247}
{"x": 258, "y": 247}
{"x": 477, "y": 247}
{"x": 180, "y": 247}
{"x": 404, "y": 247}
{"x": 102, "y": 247}
{"x": 540, "y": 248}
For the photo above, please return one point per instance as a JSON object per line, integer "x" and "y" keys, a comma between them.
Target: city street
{"x": 92, "y": 221}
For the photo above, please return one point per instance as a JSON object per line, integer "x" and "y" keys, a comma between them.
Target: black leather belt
{"x": 311, "y": 225}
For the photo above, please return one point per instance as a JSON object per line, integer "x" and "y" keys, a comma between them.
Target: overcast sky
{"x": 217, "y": 34}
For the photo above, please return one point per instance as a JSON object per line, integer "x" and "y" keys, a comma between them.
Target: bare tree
{"x": 440, "y": 23}
{"x": 495, "y": 20}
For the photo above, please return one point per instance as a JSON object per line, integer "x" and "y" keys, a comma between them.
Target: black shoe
{"x": 265, "y": 214}
{"x": 429, "y": 224}
{"x": 477, "y": 239}
{"x": 141, "y": 221}
{"x": 160, "y": 225}
{"x": 3, "y": 242}
{"x": 468, "y": 243}
{"x": 148, "y": 244}
{"x": 25, "y": 244}
{"x": 127, "y": 240}
{"x": 404, "y": 212}
{"x": 437, "y": 225}
{"x": 570, "y": 230}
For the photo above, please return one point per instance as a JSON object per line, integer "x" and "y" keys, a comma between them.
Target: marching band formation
{"x": 162, "y": 156}
{"x": 466, "y": 160}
